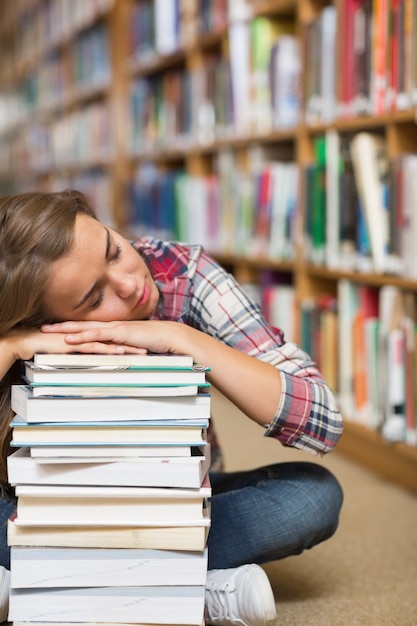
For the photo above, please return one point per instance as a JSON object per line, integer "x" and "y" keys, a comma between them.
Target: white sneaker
{"x": 4, "y": 593}
{"x": 240, "y": 596}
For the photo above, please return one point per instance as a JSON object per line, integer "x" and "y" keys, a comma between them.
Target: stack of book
{"x": 111, "y": 479}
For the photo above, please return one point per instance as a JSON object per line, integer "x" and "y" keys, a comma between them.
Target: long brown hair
{"x": 35, "y": 230}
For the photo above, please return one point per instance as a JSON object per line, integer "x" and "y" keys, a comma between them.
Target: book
{"x": 155, "y": 605}
{"x": 368, "y": 309}
{"x": 60, "y": 409}
{"x": 126, "y": 433}
{"x": 264, "y": 31}
{"x": 263, "y": 204}
{"x": 285, "y": 81}
{"x": 318, "y": 201}
{"x": 66, "y": 505}
{"x": 327, "y": 63}
{"x": 17, "y": 623}
{"x": 348, "y": 303}
{"x": 77, "y": 359}
{"x": 333, "y": 214}
{"x": 358, "y": 46}
{"x": 166, "y": 26}
{"x": 136, "y": 472}
{"x": 115, "y": 391}
{"x": 281, "y": 243}
{"x": 118, "y": 375}
{"x": 380, "y": 12}
{"x": 239, "y": 44}
{"x": 410, "y": 332}
{"x": 108, "y": 452}
{"x": 190, "y": 536}
{"x": 370, "y": 166}
{"x": 348, "y": 203}
{"x": 105, "y": 567}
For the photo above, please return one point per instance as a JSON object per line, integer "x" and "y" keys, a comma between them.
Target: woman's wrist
{"x": 7, "y": 354}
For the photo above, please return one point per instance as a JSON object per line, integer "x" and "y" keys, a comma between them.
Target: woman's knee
{"x": 314, "y": 498}
{"x": 327, "y": 494}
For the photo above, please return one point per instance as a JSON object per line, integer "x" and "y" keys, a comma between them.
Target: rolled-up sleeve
{"x": 211, "y": 300}
{"x": 308, "y": 416}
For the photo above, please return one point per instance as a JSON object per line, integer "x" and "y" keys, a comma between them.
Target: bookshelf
{"x": 152, "y": 121}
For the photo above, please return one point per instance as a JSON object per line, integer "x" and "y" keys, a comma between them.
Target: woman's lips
{"x": 144, "y": 297}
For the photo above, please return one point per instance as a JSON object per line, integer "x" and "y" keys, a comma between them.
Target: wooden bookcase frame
{"x": 397, "y": 462}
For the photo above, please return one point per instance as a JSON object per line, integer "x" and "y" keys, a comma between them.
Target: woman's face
{"x": 102, "y": 278}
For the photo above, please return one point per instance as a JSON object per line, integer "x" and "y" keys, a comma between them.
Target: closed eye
{"x": 117, "y": 253}
{"x": 100, "y": 297}
{"x": 97, "y": 302}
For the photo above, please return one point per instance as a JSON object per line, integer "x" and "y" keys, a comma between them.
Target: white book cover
{"x": 286, "y": 70}
{"x": 107, "y": 452}
{"x": 39, "y": 505}
{"x": 277, "y": 230}
{"x": 239, "y": 38}
{"x": 190, "y": 536}
{"x": 347, "y": 306}
{"x": 76, "y": 359}
{"x": 61, "y": 409}
{"x": 369, "y": 164}
{"x": 18, "y": 623}
{"x": 114, "y": 391}
{"x": 184, "y": 432}
{"x": 327, "y": 63}
{"x": 180, "y": 472}
{"x": 117, "y": 375}
{"x": 153, "y": 605}
{"x": 166, "y": 30}
{"x": 105, "y": 567}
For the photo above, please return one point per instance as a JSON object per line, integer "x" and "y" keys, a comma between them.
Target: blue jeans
{"x": 270, "y": 513}
{"x": 6, "y": 510}
{"x": 258, "y": 515}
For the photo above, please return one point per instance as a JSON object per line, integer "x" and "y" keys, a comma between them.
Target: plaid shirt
{"x": 196, "y": 291}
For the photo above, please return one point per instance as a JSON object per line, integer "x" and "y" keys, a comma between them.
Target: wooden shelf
{"x": 376, "y": 280}
{"x": 197, "y": 154}
{"x": 356, "y": 123}
{"x": 396, "y": 462}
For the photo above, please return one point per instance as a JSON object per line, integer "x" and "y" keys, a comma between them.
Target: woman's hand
{"x": 254, "y": 387}
{"x": 132, "y": 336}
{"x": 23, "y": 343}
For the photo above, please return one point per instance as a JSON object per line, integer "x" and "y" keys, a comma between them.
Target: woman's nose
{"x": 124, "y": 284}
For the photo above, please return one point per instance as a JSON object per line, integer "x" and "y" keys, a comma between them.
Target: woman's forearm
{"x": 7, "y": 356}
{"x": 252, "y": 385}
{"x": 283, "y": 387}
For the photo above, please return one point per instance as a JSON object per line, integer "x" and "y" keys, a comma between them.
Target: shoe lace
{"x": 218, "y": 602}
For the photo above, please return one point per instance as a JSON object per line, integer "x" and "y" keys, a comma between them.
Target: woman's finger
{"x": 97, "y": 347}
{"x": 73, "y": 327}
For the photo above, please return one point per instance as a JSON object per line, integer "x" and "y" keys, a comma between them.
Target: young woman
{"x": 70, "y": 283}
